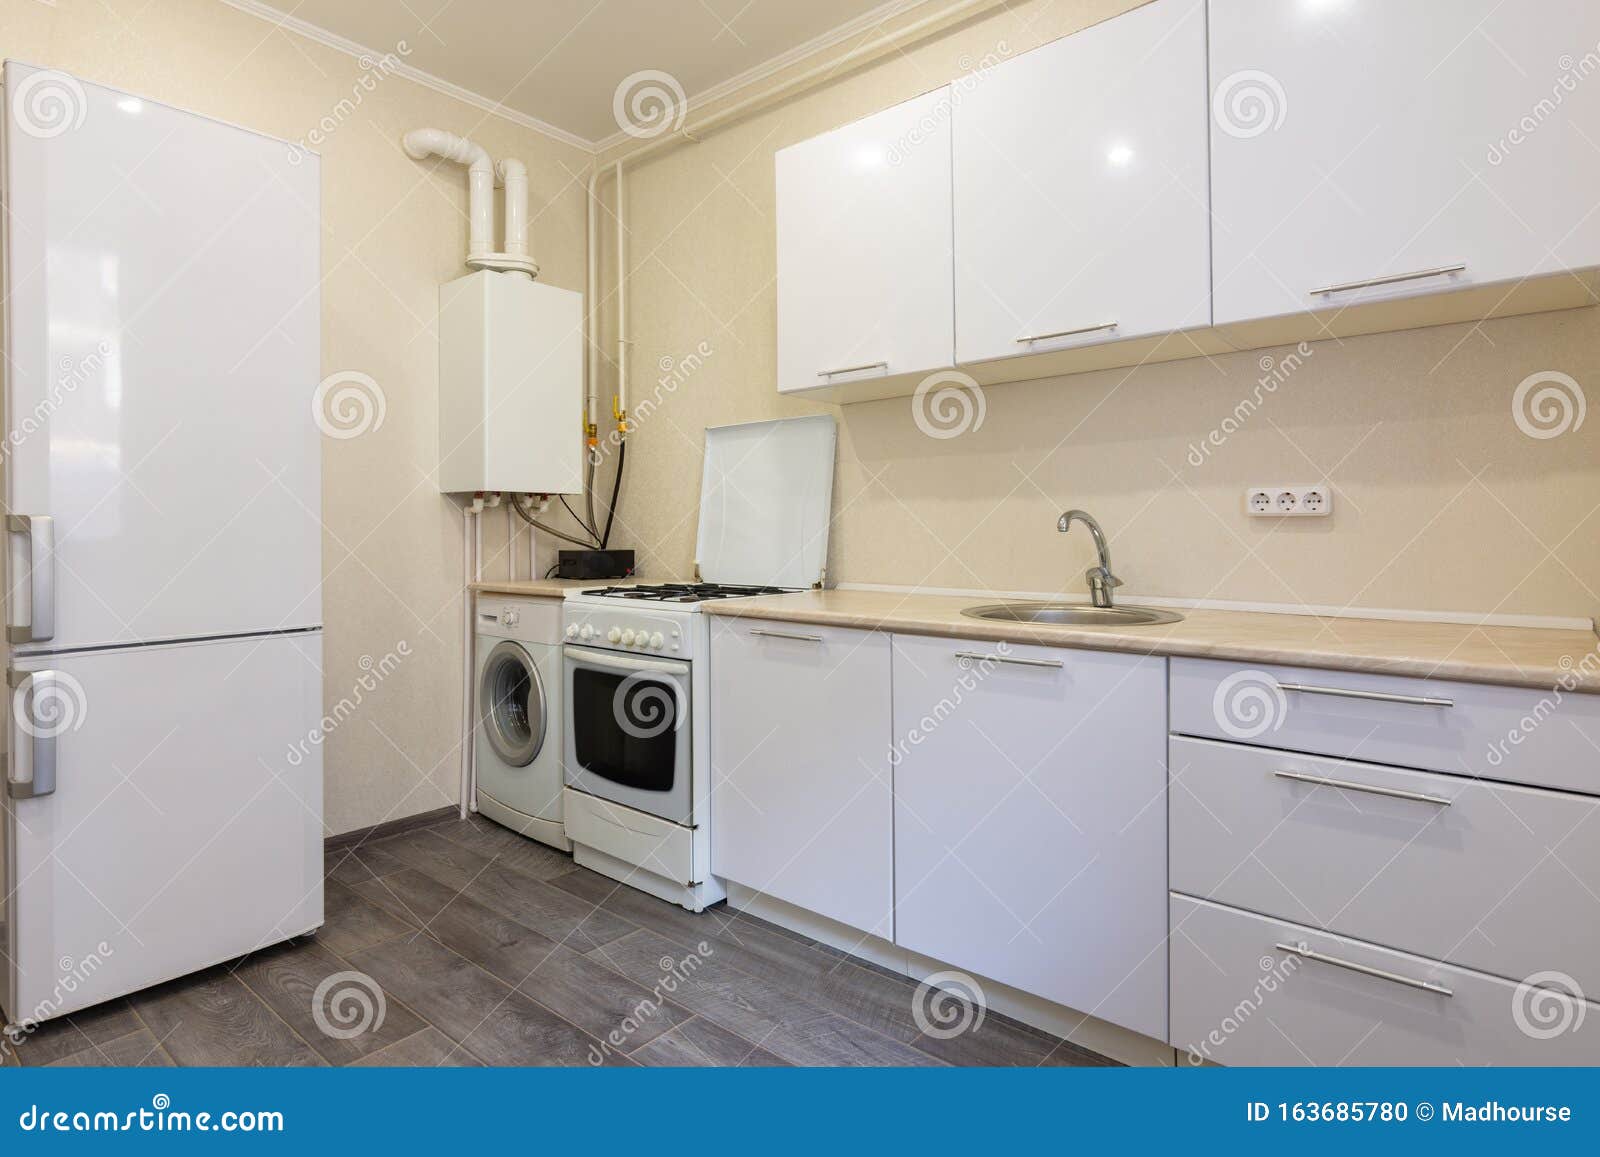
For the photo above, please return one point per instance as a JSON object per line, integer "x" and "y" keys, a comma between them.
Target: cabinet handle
{"x": 1376, "y": 696}
{"x": 786, "y": 635}
{"x": 1391, "y": 279}
{"x": 1033, "y": 337}
{"x": 1369, "y": 788}
{"x": 41, "y": 578}
{"x": 1364, "y": 969}
{"x": 853, "y": 369}
{"x": 42, "y": 743}
{"x": 1012, "y": 659}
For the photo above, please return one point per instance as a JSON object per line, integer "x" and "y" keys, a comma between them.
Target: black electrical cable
{"x": 537, "y": 525}
{"x": 616, "y": 489}
{"x": 593, "y": 533}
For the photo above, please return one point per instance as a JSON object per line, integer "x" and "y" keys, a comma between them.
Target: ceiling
{"x": 559, "y": 63}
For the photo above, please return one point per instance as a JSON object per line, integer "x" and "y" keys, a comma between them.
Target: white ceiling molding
{"x": 338, "y": 43}
{"x": 751, "y": 78}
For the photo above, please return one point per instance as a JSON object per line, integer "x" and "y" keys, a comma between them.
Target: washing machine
{"x": 517, "y": 749}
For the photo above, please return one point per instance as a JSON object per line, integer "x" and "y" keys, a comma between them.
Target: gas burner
{"x": 682, "y": 592}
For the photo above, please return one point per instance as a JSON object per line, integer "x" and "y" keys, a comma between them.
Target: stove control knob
{"x": 572, "y": 630}
{"x": 627, "y": 637}
{"x": 656, "y": 640}
{"x": 613, "y": 635}
{"x": 587, "y": 633}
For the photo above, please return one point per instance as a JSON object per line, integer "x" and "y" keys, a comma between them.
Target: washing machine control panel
{"x": 629, "y": 628}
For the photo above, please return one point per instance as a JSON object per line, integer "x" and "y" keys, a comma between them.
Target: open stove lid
{"x": 766, "y": 497}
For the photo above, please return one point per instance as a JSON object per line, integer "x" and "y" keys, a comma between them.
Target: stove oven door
{"x": 628, "y": 734}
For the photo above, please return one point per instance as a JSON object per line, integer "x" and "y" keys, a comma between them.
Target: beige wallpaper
{"x": 1441, "y": 501}
{"x": 393, "y": 230}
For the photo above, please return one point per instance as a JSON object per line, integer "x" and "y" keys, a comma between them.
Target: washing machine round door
{"x": 511, "y": 700}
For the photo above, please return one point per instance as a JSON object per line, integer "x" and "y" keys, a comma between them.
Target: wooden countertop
{"x": 543, "y": 588}
{"x": 1515, "y": 656}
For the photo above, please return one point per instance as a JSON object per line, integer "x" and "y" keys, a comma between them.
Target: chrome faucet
{"x": 1101, "y": 580}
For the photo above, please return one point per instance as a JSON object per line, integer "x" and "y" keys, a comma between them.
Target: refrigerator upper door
{"x": 162, "y": 322}
{"x": 184, "y": 825}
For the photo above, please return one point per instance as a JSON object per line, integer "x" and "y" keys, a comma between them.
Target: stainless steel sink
{"x": 1072, "y": 615}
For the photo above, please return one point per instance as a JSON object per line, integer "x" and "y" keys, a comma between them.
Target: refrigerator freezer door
{"x": 163, "y": 331}
{"x": 185, "y": 827}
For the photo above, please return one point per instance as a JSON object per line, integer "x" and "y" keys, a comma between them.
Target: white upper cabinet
{"x": 1081, "y": 190}
{"x": 1369, "y": 149}
{"x": 864, "y": 268}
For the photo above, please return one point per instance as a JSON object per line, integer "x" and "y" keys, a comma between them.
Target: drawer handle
{"x": 1017, "y": 660}
{"x": 1364, "y": 969}
{"x": 1391, "y": 279}
{"x": 1376, "y": 696}
{"x": 853, "y": 369}
{"x": 1369, "y": 788}
{"x": 1033, "y": 337}
{"x": 786, "y": 635}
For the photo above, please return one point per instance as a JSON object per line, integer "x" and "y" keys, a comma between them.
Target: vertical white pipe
{"x": 514, "y": 175}
{"x": 591, "y": 273}
{"x": 622, "y": 296}
{"x": 469, "y": 618}
{"x": 421, "y": 143}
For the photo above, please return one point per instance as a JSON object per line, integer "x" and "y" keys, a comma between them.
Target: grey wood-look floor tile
{"x": 55, "y": 1039}
{"x": 432, "y": 854}
{"x": 831, "y": 1040}
{"x": 213, "y": 1019}
{"x": 596, "y": 998}
{"x": 358, "y": 864}
{"x": 506, "y": 847}
{"x": 699, "y": 1044}
{"x": 557, "y": 914}
{"x": 351, "y": 923}
{"x": 497, "y": 1024}
{"x": 287, "y": 978}
{"x": 428, "y": 1049}
{"x": 137, "y": 1050}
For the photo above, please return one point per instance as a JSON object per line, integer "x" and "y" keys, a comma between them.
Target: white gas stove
{"x": 639, "y": 800}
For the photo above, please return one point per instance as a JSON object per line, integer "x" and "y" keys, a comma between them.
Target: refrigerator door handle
{"x": 41, "y": 578}
{"x": 27, "y": 688}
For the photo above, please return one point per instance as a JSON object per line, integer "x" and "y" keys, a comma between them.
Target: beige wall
{"x": 392, "y": 232}
{"x": 1441, "y": 503}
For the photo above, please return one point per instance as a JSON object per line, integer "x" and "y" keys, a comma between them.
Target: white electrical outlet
{"x": 1307, "y": 500}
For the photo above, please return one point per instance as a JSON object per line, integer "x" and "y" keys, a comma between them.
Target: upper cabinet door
{"x": 864, "y": 277}
{"x": 1080, "y": 189}
{"x": 1422, "y": 145}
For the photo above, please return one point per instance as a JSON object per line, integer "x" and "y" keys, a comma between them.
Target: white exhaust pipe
{"x": 420, "y": 144}
{"x": 514, "y": 176}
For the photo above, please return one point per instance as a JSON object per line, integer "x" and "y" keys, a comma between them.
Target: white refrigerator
{"x": 163, "y": 779}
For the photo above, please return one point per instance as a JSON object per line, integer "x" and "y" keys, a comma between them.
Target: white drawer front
{"x": 1495, "y": 877}
{"x": 1546, "y": 738}
{"x": 1239, "y": 999}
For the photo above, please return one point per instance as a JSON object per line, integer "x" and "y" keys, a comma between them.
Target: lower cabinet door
{"x": 1031, "y": 820}
{"x": 801, "y": 807}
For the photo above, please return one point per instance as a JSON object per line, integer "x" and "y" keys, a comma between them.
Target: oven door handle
{"x": 627, "y": 663}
